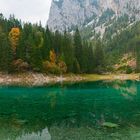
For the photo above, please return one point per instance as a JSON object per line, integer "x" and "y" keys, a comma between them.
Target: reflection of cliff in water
{"x": 16, "y": 129}
{"x": 44, "y": 135}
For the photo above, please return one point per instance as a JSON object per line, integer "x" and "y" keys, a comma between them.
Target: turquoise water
{"x": 71, "y": 111}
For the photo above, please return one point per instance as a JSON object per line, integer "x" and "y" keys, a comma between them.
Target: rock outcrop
{"x": 68, "y": 14}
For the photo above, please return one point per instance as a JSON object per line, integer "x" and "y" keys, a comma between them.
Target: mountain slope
{"x": 92, "y": 16}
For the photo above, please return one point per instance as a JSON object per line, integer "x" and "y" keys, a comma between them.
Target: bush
{"x": 20, "y": 66}
{"x": 129, "y": 70}
{"x": 63, "y": 67}
{"x": 125, "y": 69}
{"x": 52, "y": 68}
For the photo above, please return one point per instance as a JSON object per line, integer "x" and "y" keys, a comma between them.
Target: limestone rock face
{"x": 67, "y": 14}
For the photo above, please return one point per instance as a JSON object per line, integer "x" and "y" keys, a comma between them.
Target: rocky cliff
{"x": 96, "y": 15}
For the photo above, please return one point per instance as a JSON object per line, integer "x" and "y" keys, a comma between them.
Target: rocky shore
{"x": 38, "y": 79}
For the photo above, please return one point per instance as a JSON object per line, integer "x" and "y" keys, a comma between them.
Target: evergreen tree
{"x": 67, "y": 51}
{"x": 47, "y": 45}
{"x": 137, "y": 46}
{"x": 84, "y": 58}
{"x": 36, "y": 59}
{"x": 5, "y": 54}
{"x": 91, "y": 61}
{"x": 78, "y": 47}
{"x": 99, "y": 57}
{"x": 57, "y": 43}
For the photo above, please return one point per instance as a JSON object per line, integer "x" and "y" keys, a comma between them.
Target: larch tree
{"x": 52, "y": 57}
{"x": 14, "y": 36}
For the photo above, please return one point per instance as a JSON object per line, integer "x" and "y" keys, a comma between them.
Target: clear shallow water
{"x": 71, "y": 111}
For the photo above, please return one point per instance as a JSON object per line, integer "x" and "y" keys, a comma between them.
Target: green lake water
{"x": 71, "y": 111}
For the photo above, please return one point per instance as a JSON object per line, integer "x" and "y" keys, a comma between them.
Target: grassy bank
{"x": 96, "y": 77}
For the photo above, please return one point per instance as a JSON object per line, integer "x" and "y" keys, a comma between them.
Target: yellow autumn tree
{"x": 14, "y": 35}
{"x": 52, "y": 57}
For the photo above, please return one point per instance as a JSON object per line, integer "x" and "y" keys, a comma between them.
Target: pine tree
{"x": 78, "y": 47}
{"x": 84, "y": 57}
{"x": 47, "y": 45}
{"x": 36, "y": 59}
{"x": 57, "y": 43}
{"x": 5, "y": 54}
{"x": 91, "y": 62}
{"x": 137, "y": 55}
{"x": 67, "y": 51}
{"x": 99, "y": 57}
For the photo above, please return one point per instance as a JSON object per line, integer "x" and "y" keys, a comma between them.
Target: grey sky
{"x": 26, "y": 10}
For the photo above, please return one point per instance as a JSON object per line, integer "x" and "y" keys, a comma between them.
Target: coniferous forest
{"x": 31, "y": 47}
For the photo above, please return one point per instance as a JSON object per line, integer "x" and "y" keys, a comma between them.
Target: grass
{"x": 96, "y": 77}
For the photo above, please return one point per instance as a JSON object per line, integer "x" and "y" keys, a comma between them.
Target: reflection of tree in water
{"x": 125, "y": 104}
{"x": 128, "y": 89}
{"x": 53, "y": 97}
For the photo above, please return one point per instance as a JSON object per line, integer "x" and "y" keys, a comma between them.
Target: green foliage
{"x": 113, "y": 26}
{"x": 38, "y": 49}
{"x": 106, "y": 16}
{"x": 78, "y": 47}
{"x": 5, "y": 53}
{"x": 99, "y": 58}
{"x": 67, "y": 52}
{"x": 76, "y": 66}
{"x": 129, "y": 70}
{"x": 125, "y": 69}
{"x": 36, "y": 59}
{"x": 125, "y": 42}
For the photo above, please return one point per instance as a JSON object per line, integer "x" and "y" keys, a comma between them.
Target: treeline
{"x": 31, "y": 47}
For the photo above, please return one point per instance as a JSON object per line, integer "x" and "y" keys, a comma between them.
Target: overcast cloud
{"x": 27, "y": 10}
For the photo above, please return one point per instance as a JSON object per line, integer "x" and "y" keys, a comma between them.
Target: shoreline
{"x": 38, "y": 79}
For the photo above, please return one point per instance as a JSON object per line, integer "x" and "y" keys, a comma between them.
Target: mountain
{"x": 93, "y": 17}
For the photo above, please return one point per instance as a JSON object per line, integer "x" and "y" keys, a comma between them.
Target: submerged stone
{"x": 110, "y": 125}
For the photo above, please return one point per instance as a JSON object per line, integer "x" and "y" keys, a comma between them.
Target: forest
{"x": 31, "y": 47}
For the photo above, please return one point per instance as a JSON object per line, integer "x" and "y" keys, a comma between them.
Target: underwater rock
{"x": 110, "y": 125}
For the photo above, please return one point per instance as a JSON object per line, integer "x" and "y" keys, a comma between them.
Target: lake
{"x": 103, "y": 110}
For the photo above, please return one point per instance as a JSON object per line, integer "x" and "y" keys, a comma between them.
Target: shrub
{"x": 125, "y": 69}
{"x": 63, "y": 67}
{"x": 129, "y": 70}
{"x": 20, "y": 66}
{"x": 52, "y": 68}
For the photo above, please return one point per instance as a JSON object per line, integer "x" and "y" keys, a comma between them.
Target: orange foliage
{"x": 63, "y": 67}
{"x": 52, "y": 56}
{"x": 51, "y": 68}
{"x": 14, "y": 35}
